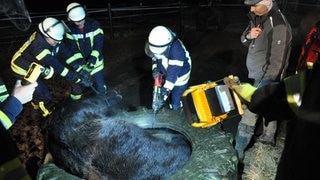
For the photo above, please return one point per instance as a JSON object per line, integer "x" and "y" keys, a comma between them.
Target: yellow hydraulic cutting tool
{"x": 212, "y": 103}
{"x": 35, "y": 70}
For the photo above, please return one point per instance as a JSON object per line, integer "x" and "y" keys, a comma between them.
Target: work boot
{"x": 243, "y": 137}
{"x": 267, "y": 136}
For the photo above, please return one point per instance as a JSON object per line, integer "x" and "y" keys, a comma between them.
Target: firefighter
{"x": 85, "y": 39}
{"x": 44, "y": 47}
{"x": 170, "y": 58}
{"x": 310, "y": 49}
{"x": 10, "y": 107}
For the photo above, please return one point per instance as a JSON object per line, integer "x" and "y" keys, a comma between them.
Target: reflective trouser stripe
{"x": 45, "y": 111}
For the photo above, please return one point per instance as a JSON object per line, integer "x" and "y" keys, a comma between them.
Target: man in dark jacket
{"x": 268, "y": 38}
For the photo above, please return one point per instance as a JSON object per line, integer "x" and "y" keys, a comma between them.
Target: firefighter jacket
{"x": 86, "y": 43}
{"x": 310, "y": 49}
{"x": 10, "y": 107}
{"x": 38, "y": 50}
{"x": 10, "y": 164}
{"x": 268, "y": 54}
{"x": 175, "y": 64}
{"x": 280, "y": 100}
{"x": 3, "y": 91}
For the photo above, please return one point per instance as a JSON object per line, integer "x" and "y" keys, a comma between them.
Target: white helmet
{"x": 159, "y": 39}
{"x": 75, "y": 12}
{"x": 53, "y": 28}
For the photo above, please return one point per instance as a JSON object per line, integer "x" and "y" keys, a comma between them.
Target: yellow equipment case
{"x": 212, "y": 102}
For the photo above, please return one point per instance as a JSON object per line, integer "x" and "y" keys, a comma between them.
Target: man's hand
{"x": 244, "y": 90}
{"x": 155, "y": 72}
{"x": 231, "y": 81}
{"x": 24, "y": 93}
{"x": 254, "y": 33}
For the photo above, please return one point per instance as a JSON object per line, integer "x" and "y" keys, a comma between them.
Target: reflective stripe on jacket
{"x": 3, "y": 91}
{"x": 268, "y": 54}
{"x": 295, "y": 86}
{"x": 87, "y": 44}
{"x": 175, "y": 64}
{"x": 37, "y": 49}
{"x": 9, "y": 110}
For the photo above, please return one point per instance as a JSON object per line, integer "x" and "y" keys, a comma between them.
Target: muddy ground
{"x": 215, "y": 50}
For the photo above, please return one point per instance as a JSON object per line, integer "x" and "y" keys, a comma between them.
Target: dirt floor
{"x": 216, "y": 53}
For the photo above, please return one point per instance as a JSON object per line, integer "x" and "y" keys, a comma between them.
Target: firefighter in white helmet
{"x": 170, "y": 58}
{"x": 44, "y": 47}
{"x": 11, "y": 105}
{"x": 85, "y": 39}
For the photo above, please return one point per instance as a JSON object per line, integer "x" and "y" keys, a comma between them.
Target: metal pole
{"x": 110, "y": 20}
{"x": 181, "y": 18}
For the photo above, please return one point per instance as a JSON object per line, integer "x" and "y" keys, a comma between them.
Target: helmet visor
{"x": 157, "y": 49}
{"x": 56, "y": 31}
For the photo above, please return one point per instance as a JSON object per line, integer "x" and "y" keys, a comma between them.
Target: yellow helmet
{"x": 75, "y": 12}
{"x": 53, "y": 28}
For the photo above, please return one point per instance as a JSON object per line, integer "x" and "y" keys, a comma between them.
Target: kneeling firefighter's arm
{"x": 270, "y": 101}
{"x": 244, "y": 90}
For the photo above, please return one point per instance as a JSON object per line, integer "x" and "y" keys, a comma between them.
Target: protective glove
{"x": 85, "y": 77}
{"x": 86, "y": 81}
{"x": 84, "y": 73}
{"x": 155, "y": 72}
{"x": 244, "y": 90}
{"x": 80, "y": 79}
{"x": 24, "y": 93}
{"x": 165, "y": 93}
{"x": 91, "y": 61}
